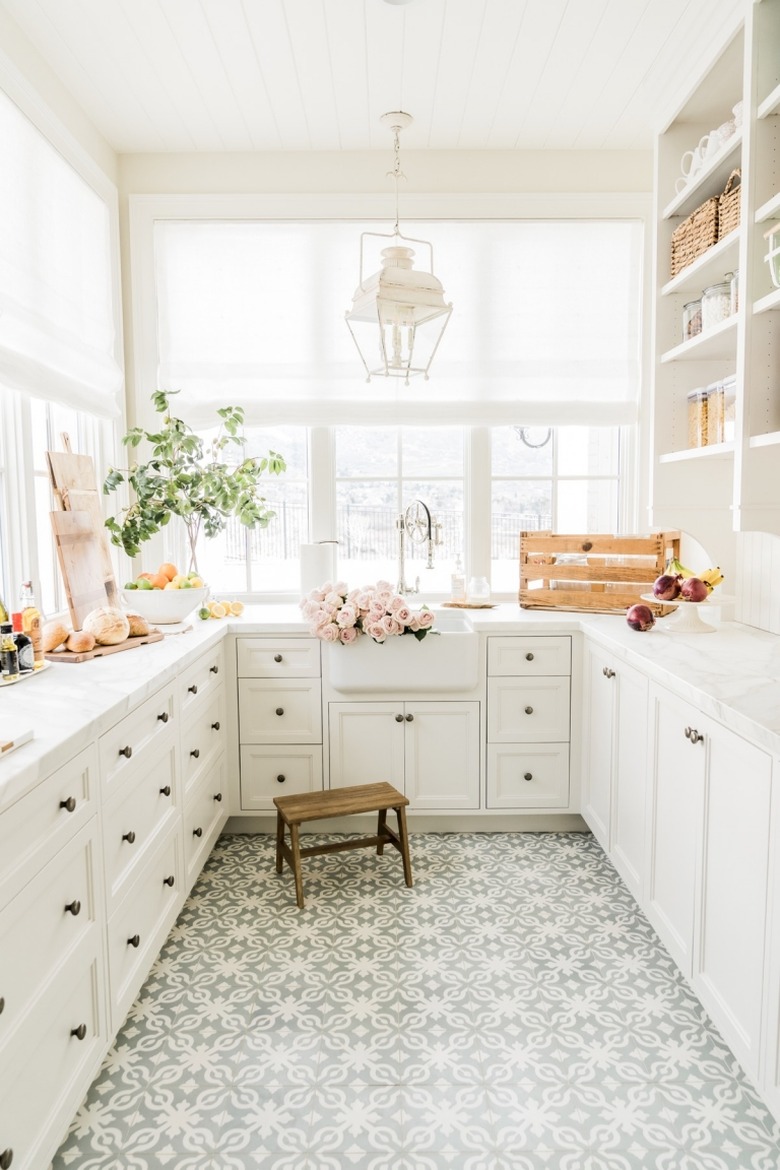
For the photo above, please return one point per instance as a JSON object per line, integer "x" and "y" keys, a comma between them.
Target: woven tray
{"x": 730, "y": 205}
{"x": 592, "y": 573}
{"x": 695, "y": 235}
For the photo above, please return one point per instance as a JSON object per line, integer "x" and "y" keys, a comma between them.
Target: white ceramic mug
{"x": 691, "y": 162}
{"x": 713, "y": 142}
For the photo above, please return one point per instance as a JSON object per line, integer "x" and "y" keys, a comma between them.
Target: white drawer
{"x": 46, "y": 1072}
{"x": 137, "y": 740}
{"x": 45, "y": 923}
{"x": 34, "y": 828}
{"x": 279, "y": 711}
{"x": 201, "y": 679}
{"x": 133, "y": 821}
{"x": 203, "y": 738}
{"x": 267, "y": 772}
{"x": 278, "y": 657}
{"x": 204, "y": 815}
{"x": 529, "y": 655}
{"x": 531, "y": 776}
{"x": 139, "y": 925}
{"x": 528, "y": 710}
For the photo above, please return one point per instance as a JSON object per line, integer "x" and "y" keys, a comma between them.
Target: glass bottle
{"x": 31, "y": 623}
{"x": 9, "y": 659}
{"x": 458, "y": 583}
{"x": 24, "y": 646}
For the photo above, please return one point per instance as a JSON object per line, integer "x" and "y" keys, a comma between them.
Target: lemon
{"x": 196, "y": 582}
{"x": 170, "y": 585}
{"x": 204, "y": 614}
{"x": 217, "y": 610}
{"x": 237, "y": 608}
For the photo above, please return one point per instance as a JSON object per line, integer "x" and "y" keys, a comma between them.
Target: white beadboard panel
{"x": 299, "y": 75}
{"x": 758, "y": 570}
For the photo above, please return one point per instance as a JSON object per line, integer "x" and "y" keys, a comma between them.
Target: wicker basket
{"x": 695, "y": 235}
{"x": 729, "y": 205}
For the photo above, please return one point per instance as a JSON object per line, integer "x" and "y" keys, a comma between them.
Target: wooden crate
{"x": 597, "y": 573}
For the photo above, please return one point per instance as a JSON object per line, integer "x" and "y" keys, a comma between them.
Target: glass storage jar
{"x": 715, "y": 412}
{"x": 729, "y": 386}
{"x": 715, "y": 305}
{"x": 691, "y": 319}
{"x": 734, "y": 290}
{"x": 697, "y": 418}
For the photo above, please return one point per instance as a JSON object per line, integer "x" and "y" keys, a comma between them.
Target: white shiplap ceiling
{"x": 247, "y": 75}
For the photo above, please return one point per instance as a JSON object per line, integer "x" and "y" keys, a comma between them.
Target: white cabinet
{"x": 615, "y": 761}
{"x": 528, "y": 721}
{"x": 52, "y": 985}
{"x": 710, "y": 803}
{"x": 279, "y": 718}
{"x": 202, "y": 746}
{"x": 427, "y": 750}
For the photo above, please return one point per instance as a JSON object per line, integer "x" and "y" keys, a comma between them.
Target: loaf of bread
{"x": 138, "y": 625}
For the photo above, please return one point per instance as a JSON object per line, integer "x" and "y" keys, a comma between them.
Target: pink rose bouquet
{"x": 336, "y": 613}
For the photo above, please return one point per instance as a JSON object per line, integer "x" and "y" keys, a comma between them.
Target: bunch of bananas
{"x": 710, "y": 577}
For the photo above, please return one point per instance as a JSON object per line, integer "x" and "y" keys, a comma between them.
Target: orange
{"x": 144, "y": 576}
{"x": 168, "y": 570}
{"x": 157, "y": 580}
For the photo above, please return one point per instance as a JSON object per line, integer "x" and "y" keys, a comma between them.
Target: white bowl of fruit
{"x": 165, "y": 597}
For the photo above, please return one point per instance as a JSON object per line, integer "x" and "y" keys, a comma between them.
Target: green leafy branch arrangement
{"x": 185, "y": 478}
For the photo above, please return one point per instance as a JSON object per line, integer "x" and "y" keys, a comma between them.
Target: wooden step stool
{"x": 295, "y": 811}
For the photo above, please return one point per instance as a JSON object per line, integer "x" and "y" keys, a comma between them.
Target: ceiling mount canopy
{"x": 399, "y": 307}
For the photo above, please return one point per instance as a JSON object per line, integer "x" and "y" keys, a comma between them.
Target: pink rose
{"x": 341, "y": 587}
{"x": 425, "y": 619}
{"x": 384, "y": 598}
{"x": 376, "y": 631}
{"x": 346, "y": 617}
{"x": 348, "y": 635}
{"x": 384, "y": 587}
{"x": 396, "y": 602}
{"x": 413, "y": 624}
{"x": 403, "y": 615}
{"x": 329, "y": 632}
{"x": 310, "y": 609}
{"x": 333, "y": 598}
{"x": 390, "y": 625}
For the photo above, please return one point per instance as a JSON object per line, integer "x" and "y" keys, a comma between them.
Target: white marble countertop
{"x": 732, "y": 675}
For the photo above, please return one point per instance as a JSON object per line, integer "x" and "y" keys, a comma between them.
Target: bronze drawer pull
{"x": 2, "y": 1005}
{"x": 195, "y": 753}
{"x": 410, "y": 718}
{"x": 399, "y": 718}
{"x": 528, "y": 775}
{"x": 6, "y": 1158}
{"x": 529, "y": 657}
{"x": 169, "y": 881}
{"x": 79, "y": 1032}
{"x": 166, "y": 791}
{"x": 163, "y": 717}
{"x": 135, "y": 941}
{"x": 126, "y": 752}
{"x": 218, "y": 797}
{"x": 69, "y": 805}
{"x": 280, "y": 779}
{"x": 129, "y": 837}
{"x": 280, "y": 710}
{"x": 529, "y": 710}
{"x": 277, "y": 658}
{"x": 193, "y": 690}
{"x": 215, "y": 726}
{"x": 608, "y": 672}
{"x": 197, "y": 832}
{"x": 74, "y": 907}
{"x": 213, "y": 670}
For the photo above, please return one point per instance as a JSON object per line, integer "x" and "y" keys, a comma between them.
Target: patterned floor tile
{"x": 512, "y": 1011}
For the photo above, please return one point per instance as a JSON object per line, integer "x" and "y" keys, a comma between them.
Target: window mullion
{"x": 476, "y": 554}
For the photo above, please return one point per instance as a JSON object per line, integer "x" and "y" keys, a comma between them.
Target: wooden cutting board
{"x": 76, "y": 490}
{"x": 82, "y": 565}
{"x": 154, "y": 635}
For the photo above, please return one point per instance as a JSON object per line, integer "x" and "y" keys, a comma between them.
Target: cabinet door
{"x": 598, "y": 731}
{"x": 676, "y": 809}
{"x": 729, "y": 960}
{"x": 366, "y": 744}
{"x": 629, "y": 777}
{"x": 441, "y": 753}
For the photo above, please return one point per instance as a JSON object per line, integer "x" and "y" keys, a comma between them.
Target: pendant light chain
{"x": 396, "y": 172}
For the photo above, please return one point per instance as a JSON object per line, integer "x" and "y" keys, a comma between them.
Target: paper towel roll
{"x": 318, "y": 565}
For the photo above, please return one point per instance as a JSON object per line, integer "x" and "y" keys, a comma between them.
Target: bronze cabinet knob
{"x": 69, "y": 805}
{"x": 79, "y": 1032}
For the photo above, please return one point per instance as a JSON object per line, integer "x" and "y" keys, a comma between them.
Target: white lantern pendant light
{"x": 398, "y": 314}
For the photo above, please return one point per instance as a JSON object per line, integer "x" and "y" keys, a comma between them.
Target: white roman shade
{"x": 545, "y": 324}
{"x": 56, "y": 303}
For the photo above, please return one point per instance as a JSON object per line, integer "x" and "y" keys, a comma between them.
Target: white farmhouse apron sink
{"x": 446, "y": 660}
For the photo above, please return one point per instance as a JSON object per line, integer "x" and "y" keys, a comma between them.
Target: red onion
{"x": 692, "y": 589}
{"x": 667, "y": 587}
{"x": 640, "y": 617}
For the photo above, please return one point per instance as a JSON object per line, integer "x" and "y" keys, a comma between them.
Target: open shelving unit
{"x": 714, "y": 491}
